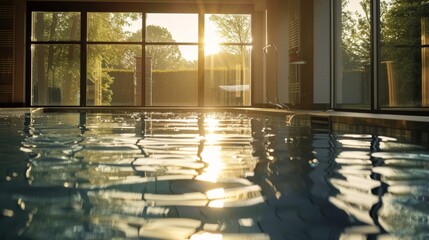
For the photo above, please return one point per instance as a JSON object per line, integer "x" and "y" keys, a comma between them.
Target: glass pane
{"x": 55, "y": 74}
{"x": 403, "y": 70}
{"x": 425, "y": 77}
{"x": 227, "y": 77}
{"x": 172, "y": 28}
{"x": 171, "y": 79}
{"x": 55, "y": 26}
{"x": 115, "y": 27}
{"x": 113, "y": 77}
{"x": 227, "y": 28}
{"x": 353, "y": 54}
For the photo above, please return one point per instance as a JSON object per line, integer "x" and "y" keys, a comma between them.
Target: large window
{"x": 113, "y": 48}
{"x": 403, "y": 53}
{"x": 172, "y": 59}
{"x": 227, "y": 51}
{"x": 353, "y": 54}
{"x": 110, "y": 56}
{"x": 381, "y": 54}
{"x": 55, "y": 55}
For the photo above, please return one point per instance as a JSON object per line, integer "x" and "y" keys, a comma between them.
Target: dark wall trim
{"x": 140, "y": 7}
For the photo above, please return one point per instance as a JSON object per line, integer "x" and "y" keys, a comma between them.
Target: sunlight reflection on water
{"x": 204, "y": 176}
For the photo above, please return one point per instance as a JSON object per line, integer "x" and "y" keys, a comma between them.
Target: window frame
{"x": 375, "y": 91}
{"x": 31, "y": 42}
{"x": 235, "y": 44}
{"x": 145, "y": 8}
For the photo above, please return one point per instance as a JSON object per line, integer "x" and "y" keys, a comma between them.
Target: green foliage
{"x": 234, "y": 28}
{"x": 163, "y": 56}
{"x": 61, "y": 62}
{"x": 356, "y": 36}
{"x": 57, "y": 65}
{"x": 400, "y": 42}
{"x": 56, "y": 26}
{"x": 109, "y": 27}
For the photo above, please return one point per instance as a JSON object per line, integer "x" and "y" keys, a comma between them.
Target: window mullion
{"x": 143, "y": 101}
{"x": 201, "y": 64}
{"x": 83, "y": 58}
{"x": 375, "y": 25}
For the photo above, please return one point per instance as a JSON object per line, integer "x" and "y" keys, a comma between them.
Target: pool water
{"x": 193, "y": 175}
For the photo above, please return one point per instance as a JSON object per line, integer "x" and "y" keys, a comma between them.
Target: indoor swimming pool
{"x": 205, "y": 175}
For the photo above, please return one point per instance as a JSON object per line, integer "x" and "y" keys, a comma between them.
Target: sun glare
{"x": 212, "y": 39}
{"x": 211, "y": 47}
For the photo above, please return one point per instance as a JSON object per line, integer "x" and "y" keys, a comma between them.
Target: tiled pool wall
{"x": 403, "y": 130}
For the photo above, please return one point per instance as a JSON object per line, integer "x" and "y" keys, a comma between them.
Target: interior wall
{"x": 258, "y": 29}
{"x": 21, "y": 9}
{"x": 311, "y": 59}
{"x": 307, "y": 51}
{"x": 282, "y": 48}
{"x": 12, "y": 73}
{"x": 276, "y": 52}
{"x": 7, "y": 12}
